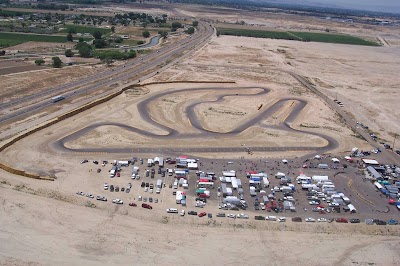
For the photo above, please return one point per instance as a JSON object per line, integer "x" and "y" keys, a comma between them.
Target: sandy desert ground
{"x": 32, "y": 226}
{"x": 44, "y": 223}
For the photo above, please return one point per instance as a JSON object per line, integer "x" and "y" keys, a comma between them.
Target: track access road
{"x": 171, "y": 133}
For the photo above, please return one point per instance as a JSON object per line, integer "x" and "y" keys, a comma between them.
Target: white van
{"x": 172, "y": 210}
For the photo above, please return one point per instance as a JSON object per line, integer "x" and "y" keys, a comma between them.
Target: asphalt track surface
{"x": 132, "y": 69}
{"x": 171, "y": 133}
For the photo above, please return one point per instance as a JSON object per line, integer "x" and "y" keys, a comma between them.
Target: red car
{"x": 146, "y": 206}
{"x": 202, "y": 214}
{"x": 204, "y": 196}
{"x": 341, "y": 220}
{"x": 133, "y": 204}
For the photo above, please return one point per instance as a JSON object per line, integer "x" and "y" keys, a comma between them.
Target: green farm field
{"x": 9, "y": 39}
{"x": 83, "y": 29}
{"x": 298, "y": 36}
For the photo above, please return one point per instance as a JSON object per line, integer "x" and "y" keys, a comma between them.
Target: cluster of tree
{"x": 114, "y": 54}
{"x": 176, "y": 25}
{"x": 190, "y": 30}
{"x": 52, "y": 6}
{"x": 163, "y": 33}
{"x": 195, "y": 23}
{"x": 57, "y": 63}
{"x": 126, "y": 19}
{"x": 2, "y": 52}
{"x": 146, "y": 34}
{"x": 85, "y": 50}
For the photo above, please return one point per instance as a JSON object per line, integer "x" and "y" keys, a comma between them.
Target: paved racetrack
{"x": 171, "y": 133}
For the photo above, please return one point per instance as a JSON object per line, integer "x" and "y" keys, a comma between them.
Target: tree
{"x": 190, "y": 30}
{"x": 107, "y": 60}
{"x": 146, "y": 34}
{"x": 39, "y": 62}
{"x": 112, "y": 29}
{"x": 100, "y": 43}
{"x": 57, "y": 62}
{"x": 69, "y": 37}
{"x": 84, "y": 49}
{"x": 118, "y": 40}
{"x": 97, "y": 35}
{"x": 163, "y": 34}
{"x": 69, "y": 53}
{"x": 2, "y": 52}
{"x": 176, "y": 25}
{"x": 195, "y": 23}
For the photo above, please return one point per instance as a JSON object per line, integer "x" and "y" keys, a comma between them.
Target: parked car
{"x": 322, "y": 220}
{"x": 90, "y": 196}
{"x": 144, "y": 199}
{"x": 84, "y": 161}
{"x": 297, "y": 219}
{"x": 182, "y": 212}
{"x": 143, "y": 184}
{"x": 341, "y": 220}
{"x": 221, "y": 214}
{"x": 122, "y": 189}
{"x": 101, "y": 198}
{"x": 209, "y": 215}
{"x": 310, "y": 220}
{"x": 202, "y": 214}
{"x": 127, "y": 190}
{"x": 116, "y": 188}
{"x": 111, "y": 188}
{"x": 355, "y": 221}
{"x": 133, "y": 204}
{"x": 98, "y": 170}
{"x": 105, "y": 186}
{"x": 117, "y": 201}
{"x": 146, "y": 206}
{"x": 392, "y": 222}
{"x": 155, "y": 200}
{"x": 282, "y": 219}
{"x": 150, "y": 199}
{"x": 192, "y": 213}
{"x": 95, "y": 162}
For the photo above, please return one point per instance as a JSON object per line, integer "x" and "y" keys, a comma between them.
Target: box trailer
{"x": 253, "y": 191}
{"x": 265, "y": 182}
{"x": 234, "y": 183}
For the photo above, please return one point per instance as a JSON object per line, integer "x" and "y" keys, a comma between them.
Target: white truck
{"x": 135, "y": 171}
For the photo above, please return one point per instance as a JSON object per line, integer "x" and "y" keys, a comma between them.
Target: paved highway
{"x": 171, "y": 133}
{"x": 132, "y": 69}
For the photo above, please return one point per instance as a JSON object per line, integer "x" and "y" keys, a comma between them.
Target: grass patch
{"x": 297, "y": 36}
{"x": 8, "y": 43}
{"x": 17, "y": 38}
{"x": 83, "y": 29}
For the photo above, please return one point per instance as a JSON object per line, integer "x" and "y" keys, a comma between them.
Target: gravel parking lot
{"x": 348, "y": 180}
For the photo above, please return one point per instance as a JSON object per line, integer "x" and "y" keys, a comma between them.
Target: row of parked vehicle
{"x": 113, "y": 188}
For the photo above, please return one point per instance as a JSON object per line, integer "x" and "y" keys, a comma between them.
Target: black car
{"x": 152, "y": 176}
{"x": 147, "y": 174}
{"x": 192, "y": 213}
{"x": 143, "y": 184}
{"x": 147, "y": 184}
{"x": 209, "y": 215}
{"x": 112, "y": 188}
{"x": 163, "y": 173}
{"x": 95, "y": 162}
{"x": 355, "y": 221}
{"x": 116, "y": 188}
{"x": 159, "y": 171}
{"x": 380, "y": 222}
{"x": 153, "y": 171}
{"x": 122, "y": 189}
{"x": 128, "y": 190}
{"x": 150, "y": 199}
